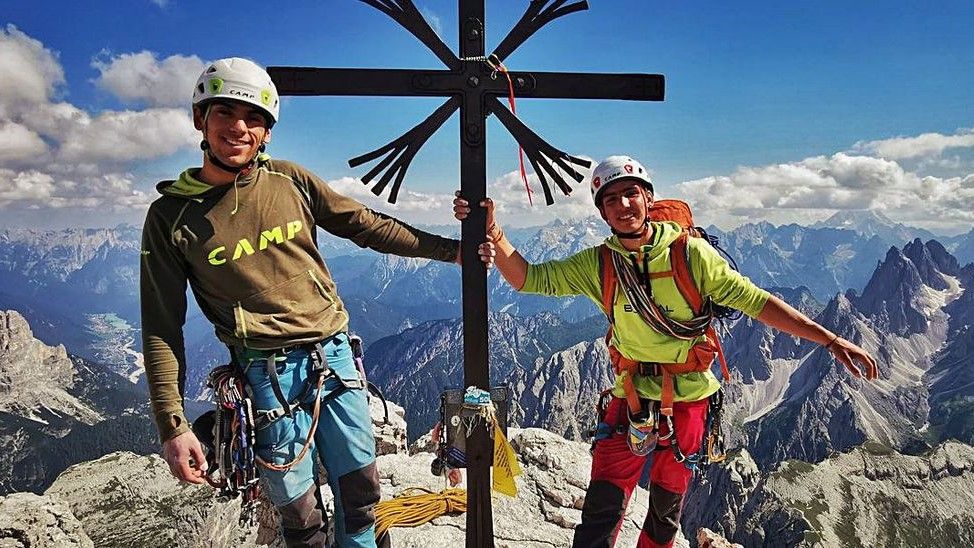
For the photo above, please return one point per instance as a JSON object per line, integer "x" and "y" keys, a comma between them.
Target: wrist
{"x": 829, "y": 344}
{"x": 494, "y": 234}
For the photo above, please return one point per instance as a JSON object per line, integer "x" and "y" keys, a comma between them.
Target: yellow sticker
{"x": 506, "y": 466}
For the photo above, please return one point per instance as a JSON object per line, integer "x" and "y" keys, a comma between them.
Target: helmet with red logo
{"x": 617, "y": 168}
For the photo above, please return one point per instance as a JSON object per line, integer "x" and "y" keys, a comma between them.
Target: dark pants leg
{"x": 615, "y": 471}
{"x": 301, "y": 522}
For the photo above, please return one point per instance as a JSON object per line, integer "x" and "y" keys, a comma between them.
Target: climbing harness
{"x": 229, "y": 432}
{"x": 701, "y": 355}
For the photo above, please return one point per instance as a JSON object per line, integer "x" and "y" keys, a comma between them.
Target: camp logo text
{"x": 242, "y": 93}
{"x": 277, "y": 235}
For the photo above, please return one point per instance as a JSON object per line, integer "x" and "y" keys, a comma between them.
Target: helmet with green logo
{"x": 238, "y": 79}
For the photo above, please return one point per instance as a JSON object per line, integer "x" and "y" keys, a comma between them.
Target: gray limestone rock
{"x": 871, "y": 496}
{"x": 28, "y": 520}
{"x": 35, "y": 378}
{"x": 551, "y": 492}
{"x": 126, "y": 500}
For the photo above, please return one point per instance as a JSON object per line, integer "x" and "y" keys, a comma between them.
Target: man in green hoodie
{"x": 240, "y": 231}
{"x": 658, "y": 344}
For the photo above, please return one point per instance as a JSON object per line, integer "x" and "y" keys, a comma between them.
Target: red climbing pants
{"x": 616, "y": 471}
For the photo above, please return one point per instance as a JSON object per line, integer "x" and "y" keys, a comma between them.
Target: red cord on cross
{"x": 499, "y": 66}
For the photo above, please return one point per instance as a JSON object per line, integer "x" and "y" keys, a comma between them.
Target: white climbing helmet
{"x": 615, "y": 168}
{"x": 240, "y": 80}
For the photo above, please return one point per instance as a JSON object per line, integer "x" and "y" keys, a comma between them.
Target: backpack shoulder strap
{"x": 607, "y": 274}
{"x": 680, "y": 263}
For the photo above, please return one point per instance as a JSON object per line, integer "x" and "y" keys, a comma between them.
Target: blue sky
{"x": 787, "y": 112}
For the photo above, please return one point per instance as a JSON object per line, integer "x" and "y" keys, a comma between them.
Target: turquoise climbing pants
{"x": 343, "y": 439}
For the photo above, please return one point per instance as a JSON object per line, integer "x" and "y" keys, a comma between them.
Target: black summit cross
{"x": 472, "y": 86}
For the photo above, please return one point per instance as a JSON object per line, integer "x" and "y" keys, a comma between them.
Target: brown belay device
{"x": 228, "y": 433}
{"x": 644, "y": 415}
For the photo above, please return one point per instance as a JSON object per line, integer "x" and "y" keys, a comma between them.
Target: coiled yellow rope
{"x": 410, "y": 509}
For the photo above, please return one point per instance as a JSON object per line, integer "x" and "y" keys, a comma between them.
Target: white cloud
{"x": 36, "y": 190}
{"x": 814, "y": 188}
{"x": 29, "y": 73}
{"x": 55, "y": 155}
{"x": 143, "y": 77}
{"x": 19, "y": 144}
{"x": 161, "y": 3}
{"x": 434, "y": 20}
{"x": 925, "y": 145}
{"x": 129, "y": 135}
{"x": 513, "y": 209}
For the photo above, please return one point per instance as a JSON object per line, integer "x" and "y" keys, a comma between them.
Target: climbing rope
{"x": 307, "y": 442}
{"x": 416, "y": 506}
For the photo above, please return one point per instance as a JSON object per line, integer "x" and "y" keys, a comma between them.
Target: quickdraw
{"x": 712, "y": 450}
{"x": 228, "y": 433}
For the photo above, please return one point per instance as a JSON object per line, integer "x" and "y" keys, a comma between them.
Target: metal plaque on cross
{"x": 470, "y": 84}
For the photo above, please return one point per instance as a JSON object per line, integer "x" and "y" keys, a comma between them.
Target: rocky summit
{"x": 125, "y": 500}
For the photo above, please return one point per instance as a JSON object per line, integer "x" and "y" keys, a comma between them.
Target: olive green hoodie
{"x": 248, "y": 252}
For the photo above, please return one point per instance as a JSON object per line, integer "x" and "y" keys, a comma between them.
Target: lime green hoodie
{"x": 579, "y": 275}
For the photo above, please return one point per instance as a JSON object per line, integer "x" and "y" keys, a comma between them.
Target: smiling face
{"x": 234, "y": 131}
{"x": 625, "y": 205}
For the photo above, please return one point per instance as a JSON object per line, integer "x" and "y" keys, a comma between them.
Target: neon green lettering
{"x": 293, "y": 228}
{"x": 243, "y": 246}
{"x": 214, "y": 260}
{"x": 275, "y": 235}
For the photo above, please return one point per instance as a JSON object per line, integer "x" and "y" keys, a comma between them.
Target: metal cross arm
{"x": 403, "y": 82}
{"x": 482, "y": 81}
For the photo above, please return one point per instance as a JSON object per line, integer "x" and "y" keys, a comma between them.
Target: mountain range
{"x": 57, "y": 410}
{"x": 71, "y": 389}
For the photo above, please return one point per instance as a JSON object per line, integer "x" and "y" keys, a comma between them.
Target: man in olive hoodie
{"x": 240, "y": 231}
{"x": 649, "y": 315}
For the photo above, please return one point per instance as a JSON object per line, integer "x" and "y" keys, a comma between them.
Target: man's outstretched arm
{"x": 782, "y": 316}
